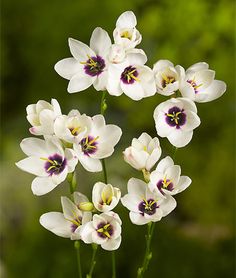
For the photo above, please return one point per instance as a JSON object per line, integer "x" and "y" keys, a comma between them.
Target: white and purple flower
{"x": 98, "y": 143}
{"x": 146, "y": 206}
{"x": 104, "y": 229}
{"x": 175, "y": 119}
{"x": 167, "y": 77}
{"x": 167, "y": 178}
{"x": 88, "y": 66}
{"x": 48, "y": 160}
{"x": 69, "y": 223}
{"x": 199, "y": 84}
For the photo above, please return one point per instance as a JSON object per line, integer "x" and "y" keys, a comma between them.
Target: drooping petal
{"x": 68, "y": 67}
{"x": 112, "y": 244}
{"x": 214, "y": 91}
{"x": 180, "y": 139}
{"x": 42, "y": 185}
{"x": 80, "y": 82}
{"x": 90, "y": 164}
{"x": 56, "y": 223}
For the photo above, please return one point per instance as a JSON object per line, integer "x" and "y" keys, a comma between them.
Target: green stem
{"x": 148, "y": 253}
{"x": 71, "y": 178}
{"x": 174, "y": 152}
{"x": 77, "y": 248}
{"x": 103, "y": 109}
{"x": 113, "y": 264}
{"x": 93, "y": 262}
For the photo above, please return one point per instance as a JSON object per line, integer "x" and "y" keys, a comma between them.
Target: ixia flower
{"x": 71, "y": 128}
{"x": 125, "y": 33}
{"x": 42, "y": 116}
{"x": 104, "y": 229}
{"x": 105, "y": 197}
{"x": 199, "y": 84}
{"x": 88, "y": 66}
{"x": 48, "y": 161}
{"x": 98, "y": 143}
{"x": 131, "y": 77}
{"x": 167, "y": 77}
{"x": 146, "y": 206}
{"x": 175, "y": 119}
{"x": 69, "y": 223}
{"x": 166, "y": 178}
{"x": 143, "y": 153}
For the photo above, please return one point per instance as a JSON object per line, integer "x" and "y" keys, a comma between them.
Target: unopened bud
{"x": 86, "y": 206}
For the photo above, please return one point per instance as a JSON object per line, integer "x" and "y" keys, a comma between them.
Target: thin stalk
{"x": 71, "y": 178}
{"x": 174, "y": 152}
{"x": 77, "y": 248}
{"x": 103, "y": 109}
{"x": 148, "y": 253}
{"x": 93, "y": 262}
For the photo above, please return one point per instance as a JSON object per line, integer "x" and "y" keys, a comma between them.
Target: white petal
{"x": 164, "y": 164}
{"x": 198, "y": 66}
{"x": 131, "y": 201}
{"x": 112, "y": 244}
{"x": 135, "y": 90}
{"x": 100, "y": 41}
{"x": 137, "y": 187}
{"x": 33, "y": 146}
{"x": 162, "y": 64}
{"x": 90, "y": 164}
{"x": 86, "y": 232}
{"x": 70, "y": 210}
{"x": 184, "y": 182}
{"x": 168, "y": 205}
{"x": 80, "y": 82}
{"x": 138, "y": 219}
{"x": 214, "y": 91}
{"x": 42, "y": 185}
{"x": 33, "y": 165}
{"x": 179, "y": 138}
{"x": 192, "y": 121}
{"x": 126, "y": 20}
{"x": 162, "y": 128}
{"x": 68, "y": 67}
{"x": 100, "y": 82}
{"x": 79, "y": 50}
{"x": 56, "y": 223}
{"x": 79, "y": 198}
{"x": 153, "y": 158}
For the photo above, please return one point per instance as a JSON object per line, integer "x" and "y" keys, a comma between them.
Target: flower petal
{"x": 80, "y": 82}
{"x": 68, "y": 67}
{"x": 42, "y": 185}
{"x": 100, "y": 41}
{"x": 79, "y": 50}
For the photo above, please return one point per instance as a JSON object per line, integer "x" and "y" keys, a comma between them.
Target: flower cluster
{"x": 68, "y": 140}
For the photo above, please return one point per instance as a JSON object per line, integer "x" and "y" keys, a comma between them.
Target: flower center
{"x": 75, "y": 130}
{"x": 105, "y": 230}
{"x": 165, "y": 184}
{"x": 148, "y": 206}
{"x": 89, "y": 145}
{"x": 106, "y": 198}
{"x": 75, "y": 223}
{"x": 194, "y": 85}
{"x": 94, "y": 66}
{"x": 54, "y": 164}
{"x": 126, "y": 34}
{"x": 175, "y": 117}
{"x": 167, "y": 80}
{"x": 129, "y": 75}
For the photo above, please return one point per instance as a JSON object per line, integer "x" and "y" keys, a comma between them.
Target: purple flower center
{"x": 194, "y": 85}
{"x": 94, "y": 66}
{"x": 129, "y": 75}
{"x": 55, "y": 164}
{"x": 165, "y": 184}
{"x": 89, "y": 145}
{"x": 175, "y": 117}
{"x": 75, "y": 224}
{"x": 148, "y": 206}
{"x": 167, "y": 80}
{"x": 105, "y": 230}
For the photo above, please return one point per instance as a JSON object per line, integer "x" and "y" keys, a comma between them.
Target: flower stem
{"x": 148, "y": 253}
{"x": 77, "y": 248}
{"x": 174, "y": 152}
{"x": 103, "y": 109}
{"x": 71, "y": 178}
{"x": 93, "y": 262}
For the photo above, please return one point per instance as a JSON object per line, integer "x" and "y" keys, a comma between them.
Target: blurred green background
{"x": 198, "y": 238}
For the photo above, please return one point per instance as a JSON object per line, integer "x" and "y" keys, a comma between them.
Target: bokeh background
{"x": 198, "y": 238}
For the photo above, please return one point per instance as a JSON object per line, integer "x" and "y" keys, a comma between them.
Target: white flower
{"x": 104, "y": 229}
{"x": 175, "y": 119}
{"x": 131, "y": 77}
{"x": 67, "y": 224}
{"x": 125, "y": 32}
{"x": 48, "y": 161}
{"x": 199, "y": 84}
{"x": 88, "y": 66}
{"x": 42, "y": 116}
{"x": 146, "y": 206}
{"x": 105, "y": 197}
{"x": 167, "y": 77}
{"x": 166, "y": 178}
{"x": 143, "y": 153}
{"x": 98, "y": 143}
{"x": 71, "y": 128}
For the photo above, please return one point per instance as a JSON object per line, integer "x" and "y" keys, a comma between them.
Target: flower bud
{"x": 86, "y": 206}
